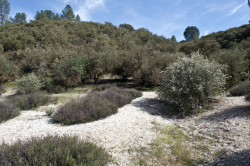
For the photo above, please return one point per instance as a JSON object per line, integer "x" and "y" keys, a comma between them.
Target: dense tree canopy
{"x": 77, "y": 18}
{"x": 4, "y": 11}
{"x": 18, "y": 18}
{"x": 67, "y": 13}
{"x": 127, "y": 26}
{"x": 45, "y": 14}
{"x": 173, "y": 38}
{"x": 191, "y": 33}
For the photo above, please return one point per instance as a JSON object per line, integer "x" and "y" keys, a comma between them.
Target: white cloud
{"x": 68, "y": 1}
{"x": 206, "y": 33}
{"x": 235, "y": 9}
{"x": 91, "y": 4}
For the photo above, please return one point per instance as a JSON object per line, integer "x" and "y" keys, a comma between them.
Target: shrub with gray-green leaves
{"x": 189, "y": 82}
{"x": 28, "y": 84}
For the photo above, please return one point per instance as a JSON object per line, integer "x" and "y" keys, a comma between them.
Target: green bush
{"x": 28, "y": 84}
{"x": 7, "y": 69}
{"x": 50, "y": 111}
{"x": 188, "y": 82}
{"x": 1, "y": 89}
{"x": 8, "y": 110}
{"x": 94, "y": 106}
{"x": 237, "y": 64}
{"x": 57, "y": 150}
{"x": 33, "y": 100}
{"x": 49, "y": 85}
{"x": 240, "y": 89}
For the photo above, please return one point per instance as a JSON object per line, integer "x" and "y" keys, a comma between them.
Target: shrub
{"x": 50, "y": 111}
{"x": 50, "y": 87}
{"x": 55, "y": 150}
{"x": 1, "y": 89}
{"x": 28, "y": 84}
{"x": 240, "y": 89}
{"x": 8, "y": 111}
{"x": 120, "y": 97}
{"x": 236, "y": 62}
{"x": 7, "y": 69}
{"x": 83, "y": 110}
{"x": 30, "y": 101}
{"x": 102, "y": 87}
{"x": 248, "y": 96}
{"x": 190, "y": 81}
{"x": 94, "y": 106}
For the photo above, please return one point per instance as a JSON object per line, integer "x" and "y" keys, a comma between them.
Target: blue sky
{"x": 161, "y": 17}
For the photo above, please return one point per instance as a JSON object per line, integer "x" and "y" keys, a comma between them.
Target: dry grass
{"x": 172, "y": 147}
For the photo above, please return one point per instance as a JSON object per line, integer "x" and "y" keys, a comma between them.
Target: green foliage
{"x": 77, "y": 18}
{"x": 49, "y": 85}
{"x": 8, "y": 110}
{"x": 173, "y": 38}
{"x": 191, "y": 33}
{"x": 71, "y": 70}
{"x": 149, "y": 69}
{"x": 44, "y": 46}
{"x": 31, "y": 101}
{"x": 67, "y": 13}
{"x": 231, "y": 37}
{"x": 94, "y": 106}
{"x": 53, "y": 150}
{"x": 7, "y": 70}
{"x": 188, "y": 82}
{"x": 4, "y": 11}
{"x": 127, "y": 26}
{"x": 236, "y": 62}
{"x": 50, "y": 111}
{"x": 47, "y": 14}
{"x": 19, "y": 17}
{"x": 240, "y": 89}
{"x": 124, "y": 65}
{"x": 205, "y": 47}
{"x": 28, "y": 84}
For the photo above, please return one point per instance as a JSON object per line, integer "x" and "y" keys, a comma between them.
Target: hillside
{"x": 65, "y": 54}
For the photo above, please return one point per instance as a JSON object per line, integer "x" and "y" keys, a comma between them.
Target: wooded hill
{"x": 66, "y": 53}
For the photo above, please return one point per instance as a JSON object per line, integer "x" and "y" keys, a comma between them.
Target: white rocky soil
{"x": 133, "y": 127}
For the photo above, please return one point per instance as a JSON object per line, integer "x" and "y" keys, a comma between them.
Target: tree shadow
{"x": 229, "y": 113}
{"x": 155, "y": 106}
{"x": 226, "y": 158}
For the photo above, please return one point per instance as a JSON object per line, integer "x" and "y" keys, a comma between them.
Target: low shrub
{"x": 28, "y": 84}
{"x": 189, "y": 82}
{"x": 248, "y": 96}
{"x": 33, "y": 100}
{"x": 94, "y": 106}
{"x": 102, "y": 87}
{"x": 53, "y": 151}
{"x": 120, "y": 97}
{"x": 240, "y": 89}
{"x": 50, "y": 111}
{"x": 83, "y": 110}
{"x": 8, "y": 111}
